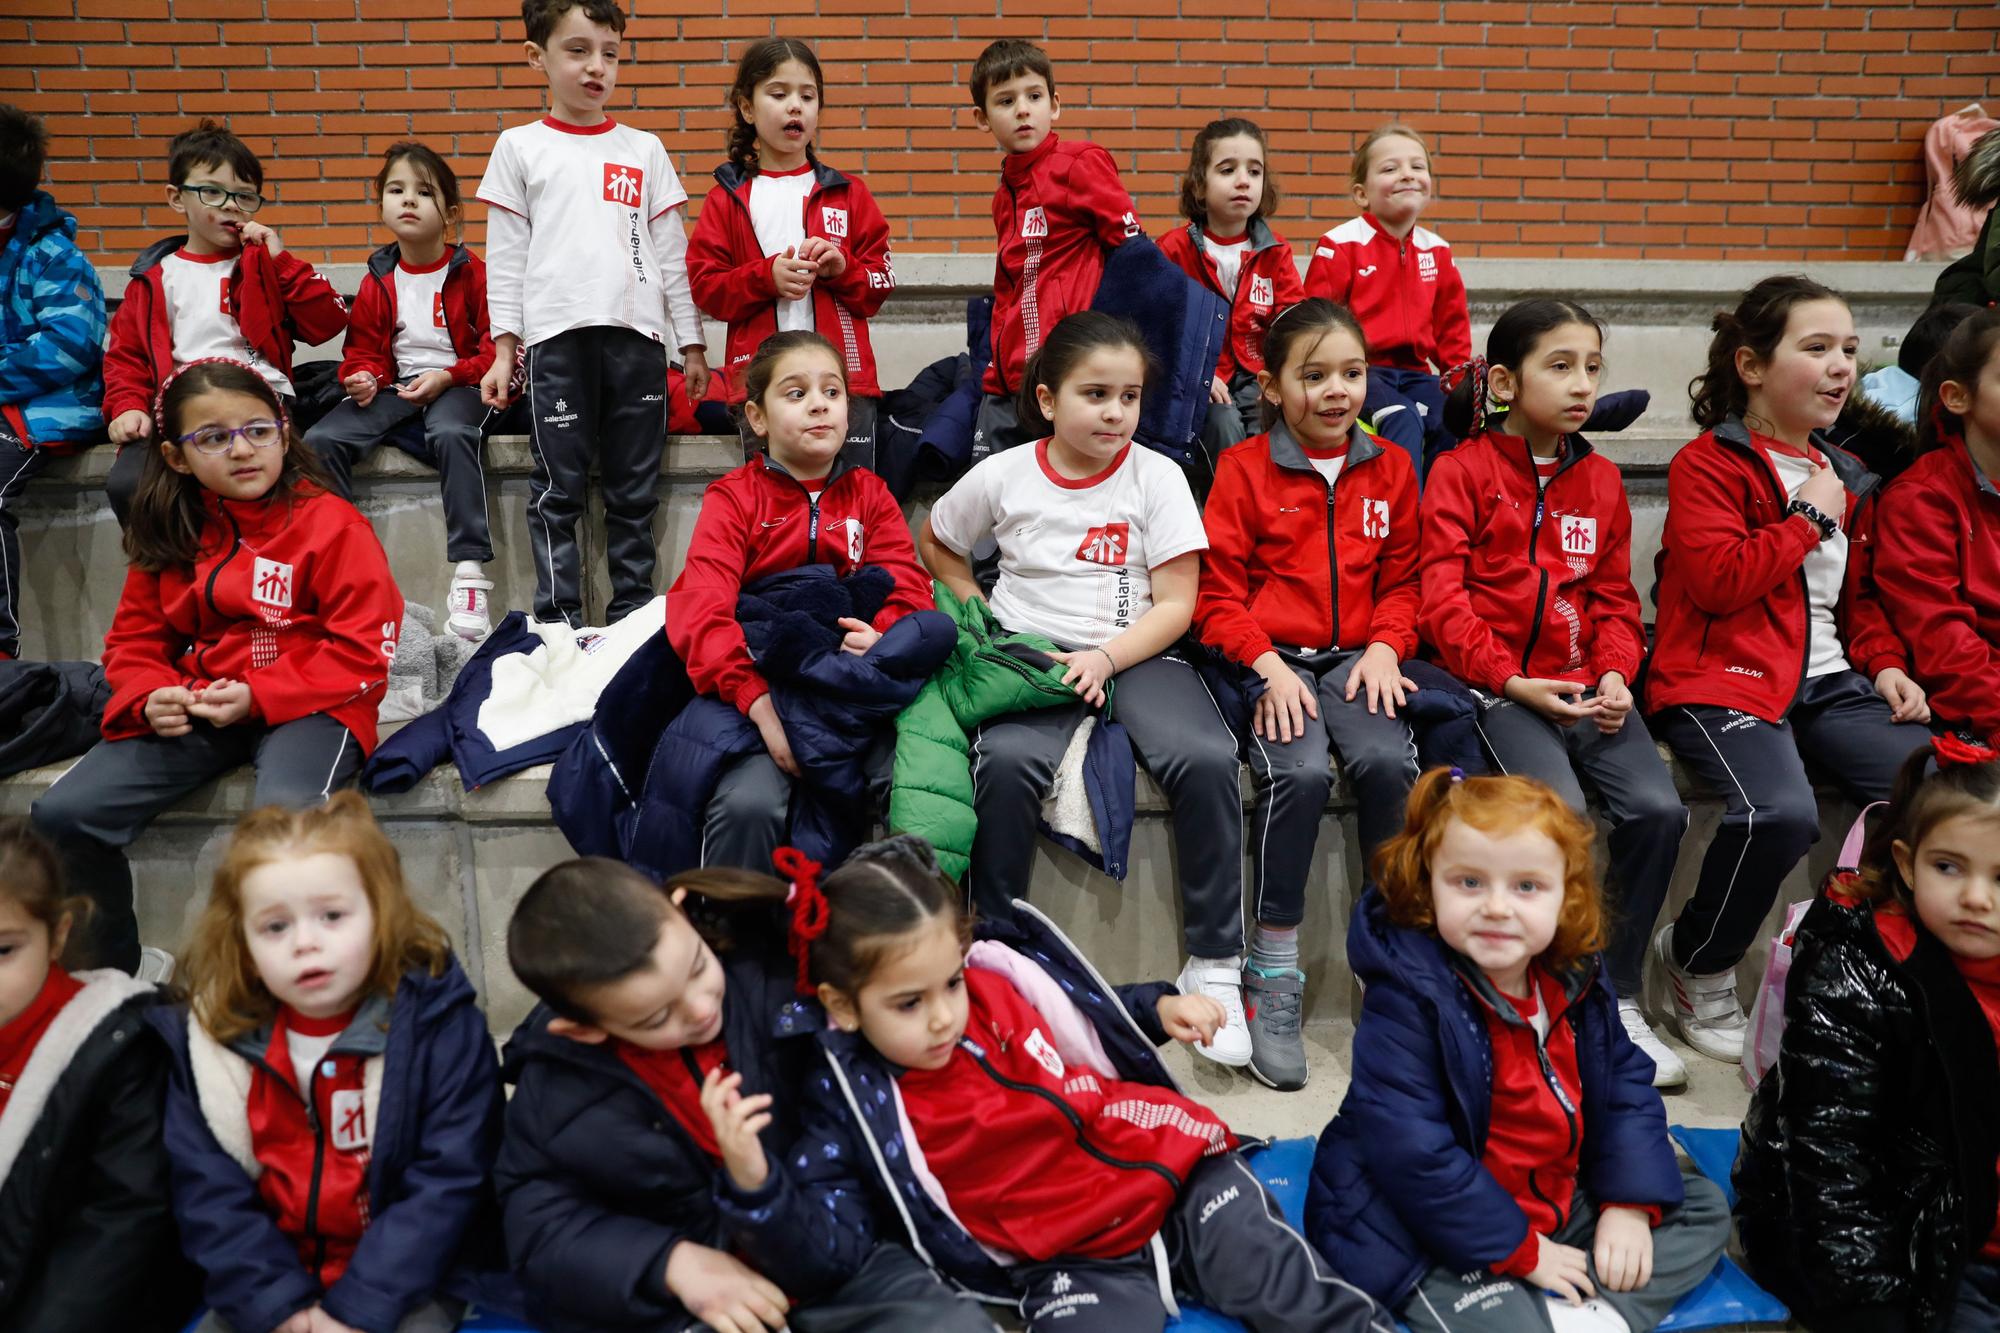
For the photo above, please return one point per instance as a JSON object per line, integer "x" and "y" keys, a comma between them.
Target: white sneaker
{"x": 1668, "y": 1071}
{"x": 156, "y": 966}
{"x": 470, "y": 602}
{"x": 1221, "y": 980}
{"x": 1706, "y": 1010}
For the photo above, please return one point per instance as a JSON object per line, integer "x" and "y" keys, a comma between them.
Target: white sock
{"x": 1590, "y": 1317}
{"x": 469, "y": 569}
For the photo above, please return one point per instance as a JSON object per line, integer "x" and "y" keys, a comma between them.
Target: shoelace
{"x": 1280, "y": 1010}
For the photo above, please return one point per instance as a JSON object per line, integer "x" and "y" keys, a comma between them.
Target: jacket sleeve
{"x": 870, "y": 274}
{"x": 891, "y": 546}
{"x": 1921, "y": 568}
{"x": 360, "y": 612}
{"x": 312, "y": 307}
{"x": 1872, "y": 643}
{"x": 1724, "y": 563}
{"x": 1142, "y": 1001}
{"x": 141, "y": 654}
{"x": 410, "y": 1246}
{"x": 1617, "y": 633}
{"x": 1465, "y": 643}
{"x": 1399, "y": 573}
{"x": 1222, "y": 602}
{"x": 129, "y": 377}
{"x": 469, "y": 370}
{"x": 1329, "y": 275}
{"x": 369, "y": 334}
{"x": 65, "y": 339}
{"x": 701, "y": 608}
{"x": 727, "y": 286}
{"x": 1100, "y": 198}
{"x": 1626, "y": 1157}
{"x": 1451, "y": 321}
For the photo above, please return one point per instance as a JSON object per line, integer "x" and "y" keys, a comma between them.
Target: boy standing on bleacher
{"x": 51, "y": 333}
{"x": 586, "y": 267}
{"x": 1059, "y": 207}
{"x": 228, "y": 288}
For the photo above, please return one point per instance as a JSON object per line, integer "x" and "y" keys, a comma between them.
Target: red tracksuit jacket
{"x": 275, "y": 301}
{"x": 1266, "y": 284}
{"x": 315, "y": 1177}
{"x": 1407, "y": 294}
{"x": 371, "y": 329}
{"x": 1521, "y": 583}
{"x": 1938, "y": 564}
{"x": 758, "y": 520}
{"x": 731, "y": 274}
{"x": 1731, "y": 627}
{"x": 290, "y": 594}
{"x": 1058, "y": 209}
{"x": 1293, "y": 561}
{"x": 1046, "y": 1161}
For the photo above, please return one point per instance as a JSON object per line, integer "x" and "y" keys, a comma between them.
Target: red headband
{"x": 806, "y": 904}
{"x": 1952, "y": 752}
{"x": 160, "y": 398}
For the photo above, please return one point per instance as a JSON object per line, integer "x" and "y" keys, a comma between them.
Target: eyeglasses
{"x": 218, "y": 439}
{"x": 216, "y": 196}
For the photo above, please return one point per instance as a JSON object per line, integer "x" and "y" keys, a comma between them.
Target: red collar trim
{"x": 193, "y": 258}
{"x": 428, "y": 268}
{"x": 780, "y": 175}
{"x": 1770, "y": 444}
{"x": 604, "y": 126}
{"x": 1213, "y": 239}
{"x": 1338, "y": 451}
{"x": 1076, "y": 483}
{"x": 294, "y": 1021}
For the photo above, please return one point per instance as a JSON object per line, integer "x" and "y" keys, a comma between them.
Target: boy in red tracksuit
{"x": 228, "y": 288}
{"x": 1059, "y": 207}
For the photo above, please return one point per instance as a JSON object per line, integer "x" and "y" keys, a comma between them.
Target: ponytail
{"x": 1465, "y": 398}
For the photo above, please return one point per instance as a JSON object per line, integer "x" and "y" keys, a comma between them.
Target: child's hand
{"x": 1905, "y": 696}
{"x": 1624, "y": 1249}
{"x": 256, "y": 233}
{"x": 424, "y": 388}
{"x": 861, "y": 636}
{"x": 1560, "y": 701}
{"x": 1218, "y": 391}
{"x": 167, "y": 710}
{"x": 1380, "y": 672}
{"x": 792, "y": 275}
{"x": 722, "y": 1291}
{"x": 1825, "y": 491}
{"x": 361, "y": 387}
{"x": 322, "y": 1322}
{"x": 129, "y": 426}
{"x": 737, "y": 1120}
{"x": 1564, "y": 1270}
{"x": 826, "y": 257}
{"x": 1088, "y": 670}
{"x": 1613, "y": 703}
{"x": 764, "y": 714}
{"x": 694, "y": 370}
{"x": 298, "y": 1323}
{"x": 1191, "y": 1018}
{"x": 1285, "y": 704}
{"x": 224, "y": 703}
{"x": 499, "y": 376}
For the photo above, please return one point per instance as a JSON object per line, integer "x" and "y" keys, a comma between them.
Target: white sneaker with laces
{"x": 1221, "y": 980}
{"x": 1706, "y": 1010}
{"x": 1668, "y": 1071}
{"x": 470, "y": 602}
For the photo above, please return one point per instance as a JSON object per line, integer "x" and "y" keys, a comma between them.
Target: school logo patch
{"x": 1427, "y": 266}
{"x": 623, "y": 185}
{"x": 1106, "y": 545}
{"x": 854, "y": 535}
{"x": 834, "y": 220}
{"x": 1579, "y": 535}
{"x": 1374, "y": 518}
{"x": 437, "y": 309}
{"x": 350, "y": 1120}
{"x": 271, "y": 582}
{"x": 1260, "y": 291}
{"x": 1045, "y": 1054}
{"x": 224, "y": 307}
{"x": 1034, "y": 224}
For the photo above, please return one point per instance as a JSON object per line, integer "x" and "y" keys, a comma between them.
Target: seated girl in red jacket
{"x": 786, "y": 243}
{"x": 1311, "y": 582}
{"x": 417, "y": 344}
{"x": 1771, "y": 646}
{"x": 256, "y": 627}
{"x": 801, "y": 501}
{"x": 1528, "y": 598}
{"x": 1938, "y": 560}
{"x": 335, "y": 1106}
{"x": 1228, "y": 247}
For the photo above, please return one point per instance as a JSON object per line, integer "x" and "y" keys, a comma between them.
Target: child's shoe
{"x": 1705, "y": 1007}
{"x": 1668, "y": 1071}
{"x": 156, "y": 966}
{"x": 470, "y": 602}
{"x": 1277, "y": 1046}
{"x": 1221, "y": 980}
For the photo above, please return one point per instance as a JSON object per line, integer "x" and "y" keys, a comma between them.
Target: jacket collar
{"x": 1017, "y": 167}
{"x": 1261, "y": 236}
{"x": 366, "y": 1034}
{"x": 41, "y": 214}
{"x": 737, "y": 181}
{"x": 383, "y": 262}
{"x": 1287, "y": 452}
{"x": 1980, "y": 481}
{"x": 841, "y": 467}
{"x": 1853, "y": 473}
{"x": 1514, "y": 448}
{"x": 103, "y": 995}
{"x": 150, "y": 257}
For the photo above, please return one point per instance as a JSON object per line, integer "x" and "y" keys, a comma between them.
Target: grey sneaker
{"x": 1277, "y": 1048}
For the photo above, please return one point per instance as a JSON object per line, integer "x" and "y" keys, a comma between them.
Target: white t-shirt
{"x": 583, "y": 233}
{"x": 1228, "y": 257}
{"x": 198, "y": 318}
{"x": 1826, "y": 570}
{"x": 1328, "y": 467}
{"x": 421, "y": 341}
{"x": 306, "y": 1052}
{"x": 778, "y": 212}
{"x": 1076, "y": 557}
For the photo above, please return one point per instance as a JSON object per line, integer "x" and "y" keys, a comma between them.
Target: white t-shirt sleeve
{"x": 964, "y": 514}
{"x": 503, "y": 183}
{"x": 1173, "y": 522}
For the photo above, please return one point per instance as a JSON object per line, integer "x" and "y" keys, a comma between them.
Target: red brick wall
{"x": 1659, "y": 130}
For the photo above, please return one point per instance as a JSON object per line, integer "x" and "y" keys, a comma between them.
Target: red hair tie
{"x": 1952, "y": 752}
{"x": 1475, "y": 369}
{"x": 806, "y": 904}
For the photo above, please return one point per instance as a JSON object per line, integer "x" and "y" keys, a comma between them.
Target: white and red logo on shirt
{"x": 437, "y": 308}
{"x": 225, "y": 295}
{"x": 271, "y": 582}
{"x": 623, "y": 185}
{"x": 834, "y": 220}
{"x": 1106, "y": 545}
{"x": 1260, "y": 291}
{"x": 854, "y": 540}
{"x": 1374, "y": 518}
{"x": 1034, "y": 224}
{"x": 350, "y": 1120}
{"x": 1427, "y": 266}
{"x": 1579, "y": 535}
{"x": 1044, "y": 1052}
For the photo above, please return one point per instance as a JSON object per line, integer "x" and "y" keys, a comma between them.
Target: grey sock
{"x": 1274, "y": 949}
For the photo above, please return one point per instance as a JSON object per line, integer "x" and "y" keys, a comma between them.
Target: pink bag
{"x": 1767, "y": 1014}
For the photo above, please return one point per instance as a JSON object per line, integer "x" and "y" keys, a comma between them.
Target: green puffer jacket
{"x": 991, "y": 673}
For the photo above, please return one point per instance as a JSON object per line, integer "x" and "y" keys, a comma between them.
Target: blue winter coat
{"x": 435, "y": 1137}
{"x": 598, "y": 1181}
{"x": 51, "y": 328}
{"x": 1397, "y": 1185}
{"x": 1184, "y": 323}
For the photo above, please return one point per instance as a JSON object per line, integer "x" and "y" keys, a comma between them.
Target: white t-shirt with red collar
{"x": 1228, "y": 256}
{"x": 198, "y": 318}
{"x": 1076, "y": 556}
{"x": 421, "y": 341}
{"x": 778, "y": 214}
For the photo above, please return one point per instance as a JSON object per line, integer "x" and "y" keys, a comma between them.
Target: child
{"x": 1866, "y": 1181}
{"x": 87, "y": 1241}
{"x": 1312, "y": 531}
{"x": 1771, "y": 646}
{"x": 799, "y": 502}
{"x": 416, "y": 348}
{"x": 1399, "y": 279}
{"x": 787, "y": 243}
{"x": 588, "y": 272}
{"x": 1011, "y": 1106}
{"x": 256, "y": 626}
{"x": 1227, "y": 245}
{"x": 51, "y": 340}
{"x": 1528, "y": 598}
{"x": 1500, "y": 1139}
{"x": 229, "y": 288}
{"x": 1100, "y": 551}
{"x": 1897, "y": 386}
{"x": 1059, "y": 207}
{"x": 336, "y": 1103}
{"x": 645, "y": 1081}
{"x": 1938, "y": 562}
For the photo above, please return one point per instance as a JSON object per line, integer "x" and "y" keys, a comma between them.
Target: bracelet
{"x": 1109, "y": 658}
{"x": 1827, "y": 526}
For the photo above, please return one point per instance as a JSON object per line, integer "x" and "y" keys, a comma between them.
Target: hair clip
{"x": 1953, "y": 751}
{"x": 807, "y": 906}
{"x": 1457, "y": 774}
